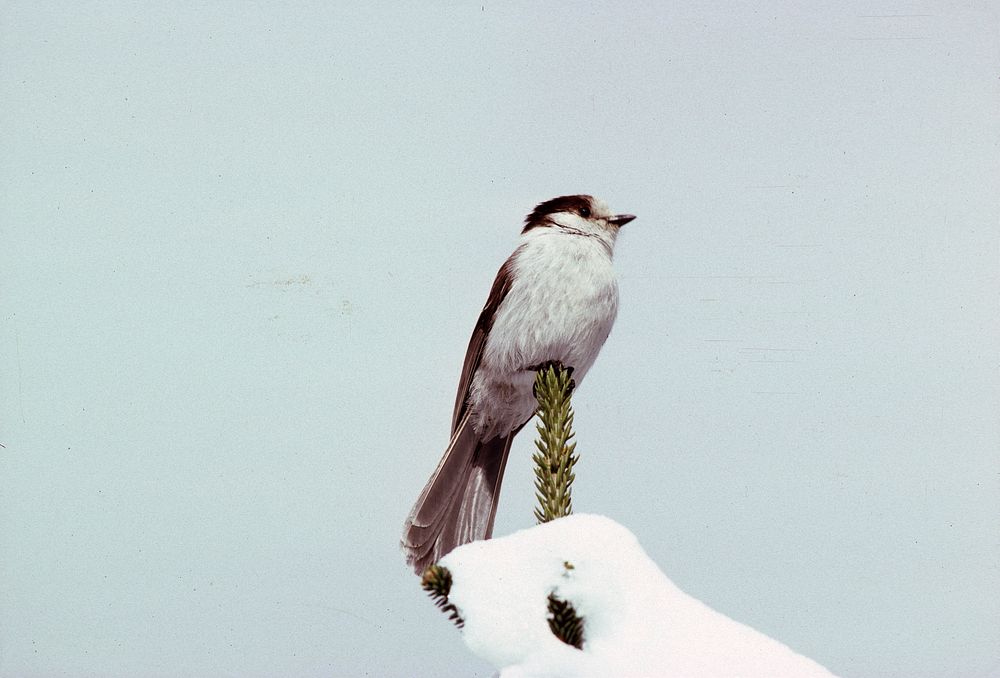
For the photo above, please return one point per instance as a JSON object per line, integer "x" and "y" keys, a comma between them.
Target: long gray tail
{"x": 459, "y": 502}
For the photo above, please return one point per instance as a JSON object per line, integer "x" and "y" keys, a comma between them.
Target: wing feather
{"x": 474, "y": 354}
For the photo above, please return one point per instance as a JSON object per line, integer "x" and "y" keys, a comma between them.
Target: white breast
{"x": 561, "y": 306}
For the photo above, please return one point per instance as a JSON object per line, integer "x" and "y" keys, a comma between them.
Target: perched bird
{"x": 553, "y": 301}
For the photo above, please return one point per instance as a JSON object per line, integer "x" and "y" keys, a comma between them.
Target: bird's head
{"x": 578, "y": 215}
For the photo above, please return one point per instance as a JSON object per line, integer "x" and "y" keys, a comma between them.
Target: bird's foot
{"x": 556, "y": 365}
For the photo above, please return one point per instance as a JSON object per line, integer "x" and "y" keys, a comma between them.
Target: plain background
{"x": 244, "y": 245}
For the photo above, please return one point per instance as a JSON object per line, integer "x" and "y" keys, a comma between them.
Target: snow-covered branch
{"x": 638, "y": 623}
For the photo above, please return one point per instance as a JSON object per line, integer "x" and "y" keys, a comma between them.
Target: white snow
{"x": 636, "y": 621}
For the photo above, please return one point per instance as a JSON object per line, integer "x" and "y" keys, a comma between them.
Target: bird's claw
{"x": 557, "y": 366}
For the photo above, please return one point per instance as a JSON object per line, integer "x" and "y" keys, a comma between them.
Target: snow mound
{"x": 636, "y": 621}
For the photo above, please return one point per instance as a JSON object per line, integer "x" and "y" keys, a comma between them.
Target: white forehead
{"x": 599, "y": 208}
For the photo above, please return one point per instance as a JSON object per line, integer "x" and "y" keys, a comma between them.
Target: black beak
{"x": 621, "y": 219}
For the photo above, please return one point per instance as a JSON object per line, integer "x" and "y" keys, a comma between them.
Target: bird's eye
{"x": 585, "y": 212}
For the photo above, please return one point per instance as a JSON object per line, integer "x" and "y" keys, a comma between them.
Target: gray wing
{"x": 474, "y": 354}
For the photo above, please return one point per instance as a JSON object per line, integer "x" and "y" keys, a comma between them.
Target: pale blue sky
{"x": 244, "y": 246}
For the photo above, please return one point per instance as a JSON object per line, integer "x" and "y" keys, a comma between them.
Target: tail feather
{"x": 459, "y": 502}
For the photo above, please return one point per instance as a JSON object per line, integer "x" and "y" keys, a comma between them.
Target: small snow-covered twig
{"x": 437, "y": 582}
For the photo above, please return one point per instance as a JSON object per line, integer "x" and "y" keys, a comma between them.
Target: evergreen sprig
{"x": 564, "y": 622}
{"x": 555, "y": 457}
{"x": 437, "y": 582}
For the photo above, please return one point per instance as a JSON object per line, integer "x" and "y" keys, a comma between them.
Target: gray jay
{"x": 554, "y": 300}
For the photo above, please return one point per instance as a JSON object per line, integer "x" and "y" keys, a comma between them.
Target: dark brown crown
{"x": 576, "y": 204}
